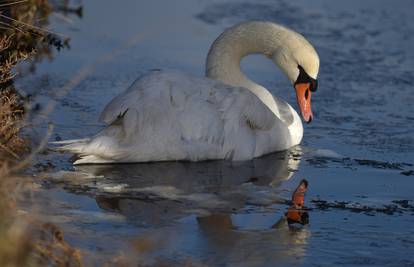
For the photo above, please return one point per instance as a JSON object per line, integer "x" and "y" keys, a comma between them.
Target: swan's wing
{"x": 183, "y": 117}
{"x": 119, "y": 105}
{"x": 248, "y": 106}
{"x": 257, "y": 115}
{"x": 167, "y": 116}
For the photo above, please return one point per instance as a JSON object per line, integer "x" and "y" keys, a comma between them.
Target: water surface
{"x": 357, "y": 154}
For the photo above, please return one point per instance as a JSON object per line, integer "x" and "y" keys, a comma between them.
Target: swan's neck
{"x": 226, "y": 53}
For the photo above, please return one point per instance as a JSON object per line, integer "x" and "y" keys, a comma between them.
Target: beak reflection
{"x": 296, "y": 214}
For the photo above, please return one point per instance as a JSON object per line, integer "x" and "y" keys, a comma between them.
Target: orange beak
{"x": 303, "y": 96}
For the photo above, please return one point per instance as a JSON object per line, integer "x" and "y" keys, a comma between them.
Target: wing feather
{"x": 257, "y": 115}
{"x": 181, "y": 113}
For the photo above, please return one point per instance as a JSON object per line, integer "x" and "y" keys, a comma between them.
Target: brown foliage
{"x": 50, "y": 248}
{"x": 11, "y": 117}
{"x": 23, "y": 25}
{"x": 24, "y": 241}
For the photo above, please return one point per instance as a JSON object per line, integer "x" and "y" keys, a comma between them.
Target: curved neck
{"x": 227, "y": 51}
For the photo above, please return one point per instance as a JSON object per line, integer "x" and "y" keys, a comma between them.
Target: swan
{"x": 169, "y": 116}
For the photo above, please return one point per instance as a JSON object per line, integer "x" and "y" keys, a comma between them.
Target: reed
{"x": 24, "y": 239}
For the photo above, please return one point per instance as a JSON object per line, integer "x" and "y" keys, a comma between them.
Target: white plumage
{"x": 173, "y": 116}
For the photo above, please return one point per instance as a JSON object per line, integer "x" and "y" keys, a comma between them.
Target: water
{"x": 358, "y": 150}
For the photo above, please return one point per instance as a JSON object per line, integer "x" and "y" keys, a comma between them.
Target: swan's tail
{"x": 66, "y": 142}
{"x": 75, "y": 146}
{"x": 88, "y": 151}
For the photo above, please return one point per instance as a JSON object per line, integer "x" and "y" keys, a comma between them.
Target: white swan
{"x": 173, "y": 116}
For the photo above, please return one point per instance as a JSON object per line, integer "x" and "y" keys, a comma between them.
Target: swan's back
{"x": 172, "y": 116}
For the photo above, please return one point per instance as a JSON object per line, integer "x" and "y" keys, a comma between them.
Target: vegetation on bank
{"x": 24, "y": 239}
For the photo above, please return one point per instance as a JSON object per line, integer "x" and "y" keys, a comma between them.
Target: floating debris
{"x": 396, "y": 206}
{"x": 408, "y": 173}
{"x": 323, "y": 162}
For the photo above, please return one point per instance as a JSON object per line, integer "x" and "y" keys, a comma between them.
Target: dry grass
{"x": 11, "y": 118}
{"x": 11, "y": 146}
{"x": 15, "y": 245}
{"x": 24, "y": 240}
{"x": 13, "y": 242}
{"x": 7, "y": 60}
{"x": 50, "y": 248}
{"x": 24, "y": 23}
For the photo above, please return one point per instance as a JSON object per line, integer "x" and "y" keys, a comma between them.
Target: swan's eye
{"x": 303, "y": 77}
{"x": 313, "y": 85}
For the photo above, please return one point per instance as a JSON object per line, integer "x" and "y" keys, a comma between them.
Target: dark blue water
{"x": 359, "y": 150}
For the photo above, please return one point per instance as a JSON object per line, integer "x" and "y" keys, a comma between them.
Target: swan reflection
{"x": 167, "y": 190}
{"x": 153, "y": 193}
{"x": 189, "y": 176}
{"x": 226, "y": 207}
{"x": 281, "y": 246}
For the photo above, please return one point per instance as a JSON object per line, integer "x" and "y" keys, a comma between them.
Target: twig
{"x": 8, "y": 150}
{"x": 30, "y": 158}
{"x": 13, "y": 3}
{"x": 11, "y": 27}
{"x": 80, "y": 76}
{"x": 32, "y": 26}
{"x": 87, "y": 70}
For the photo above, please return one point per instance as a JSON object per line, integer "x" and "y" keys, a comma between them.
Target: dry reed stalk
{"x": 23, "y": 240}
{"x": 11, "y": 115}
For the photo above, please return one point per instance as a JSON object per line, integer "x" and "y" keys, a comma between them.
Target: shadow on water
{"x": 252, "y": 247}
{"x": 216, "y": 211}
{"x": 163, "y": 191}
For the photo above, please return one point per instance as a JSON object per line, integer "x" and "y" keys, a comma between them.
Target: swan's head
{"x": 289, "y": 50}
{"x": 300, "y": 62}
